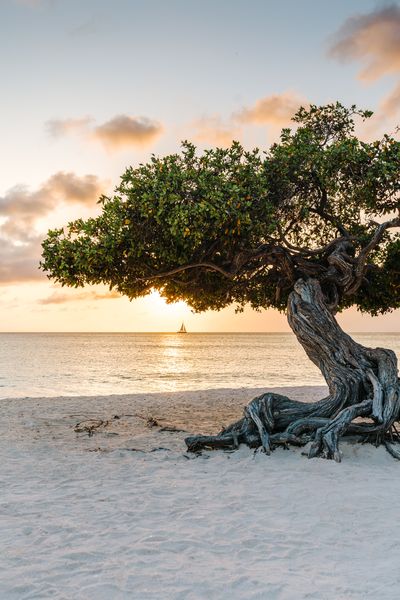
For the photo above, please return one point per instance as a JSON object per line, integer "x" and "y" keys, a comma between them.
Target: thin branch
{"x": 364, "y": 253}
{"x": 182, "y": 268}
{"x": 316, "y": 251}
{"x": 379, "y": 231}
{"x": 328, "y": 217}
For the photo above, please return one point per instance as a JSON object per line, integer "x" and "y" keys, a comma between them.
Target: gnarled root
{"x": 265, "y": 415}
{"x": 363, "y": 384}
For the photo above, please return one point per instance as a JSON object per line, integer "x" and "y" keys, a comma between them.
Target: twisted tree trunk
{"x": 362, "y": 382}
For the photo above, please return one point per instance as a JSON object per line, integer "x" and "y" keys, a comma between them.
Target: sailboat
{"x": 182, "y": 329}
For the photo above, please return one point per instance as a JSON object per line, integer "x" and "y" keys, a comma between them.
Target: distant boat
{"x": 182, "y": 329}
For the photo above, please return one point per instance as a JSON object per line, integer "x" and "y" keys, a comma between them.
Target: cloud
{"x": 391, "y": 104}
{"x": 276, "y": 109}
{"x": 61, "y": 127}
{"x": 20, "y": 262}
{"x": 123, "y": 130}
{"x": 120, "y": 131}
{"x": 373, "y": 39}
{"x": 213, "y": 130}
{"x": 73, "y": 188}
{"x": 22, "y": 209}
{"x": 62, "y": 298}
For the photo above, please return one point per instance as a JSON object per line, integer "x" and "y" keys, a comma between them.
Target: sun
{"x": 159, "y": 306}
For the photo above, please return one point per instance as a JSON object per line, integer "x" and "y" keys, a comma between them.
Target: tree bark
{"x": 362, "y": 382}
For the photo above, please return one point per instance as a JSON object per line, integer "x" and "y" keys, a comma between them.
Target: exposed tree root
{"x": 363, "y": 383}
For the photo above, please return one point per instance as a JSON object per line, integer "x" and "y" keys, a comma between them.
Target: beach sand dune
{"x": 126, "y": 513}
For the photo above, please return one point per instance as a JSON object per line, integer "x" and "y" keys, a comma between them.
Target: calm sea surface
{"x": 48, "y": 364}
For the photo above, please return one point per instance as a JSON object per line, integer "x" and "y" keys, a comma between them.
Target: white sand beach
{"x": 126, "y": 513}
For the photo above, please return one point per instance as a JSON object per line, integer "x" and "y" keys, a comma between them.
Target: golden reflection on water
{"x": 174, "y": 357}
{"x": 102, "y": 364}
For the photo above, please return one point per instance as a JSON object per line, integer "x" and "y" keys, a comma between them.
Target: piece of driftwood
{"x": 171, "y": 429}
{"x": 90, "y": 426}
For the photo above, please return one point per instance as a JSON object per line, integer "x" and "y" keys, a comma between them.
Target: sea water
{"x": 75, "y": 364}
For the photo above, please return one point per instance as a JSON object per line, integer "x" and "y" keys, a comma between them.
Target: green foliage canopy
{"x": 233, "y": 226}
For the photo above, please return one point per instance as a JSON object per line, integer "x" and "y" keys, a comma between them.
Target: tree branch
{"x": 361, "y": 260}
{"x": 182, "y": 268}
{"x": 324, "y": 215}
{"x": 290, "y": 259}
{"x": 272, "y": 254}
{"x": 315, "y": 251}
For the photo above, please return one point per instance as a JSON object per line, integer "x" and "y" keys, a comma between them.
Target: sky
{"x": 90, "y": 87}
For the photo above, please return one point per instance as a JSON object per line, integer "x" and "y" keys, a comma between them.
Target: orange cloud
{"x": 390, "y": 105}
{"x": 277, "y": 109}
{"x": 62, "y": 298}
{"x": 373, "y": 39}
{"x": 126, "y": 131}
{"x": 120, "y": 131}
{"x": 214, "y": 131}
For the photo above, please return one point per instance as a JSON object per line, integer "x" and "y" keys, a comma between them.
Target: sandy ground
{"x": 126, "y": 513}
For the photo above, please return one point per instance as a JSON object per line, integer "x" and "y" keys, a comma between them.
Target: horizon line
{"x": 188, "y": 332}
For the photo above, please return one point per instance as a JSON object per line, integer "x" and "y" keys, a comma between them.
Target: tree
{"x": 310, "y": 227}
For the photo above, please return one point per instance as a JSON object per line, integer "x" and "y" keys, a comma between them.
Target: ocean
{"x": 88, "y": 364}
